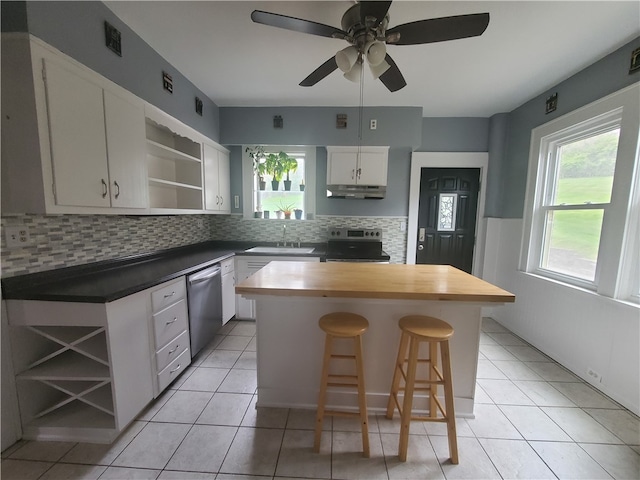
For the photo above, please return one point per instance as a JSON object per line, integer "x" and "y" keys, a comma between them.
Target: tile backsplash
{"x": 65, "y": 240}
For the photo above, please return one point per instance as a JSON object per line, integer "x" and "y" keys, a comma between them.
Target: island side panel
{"x": 290, "y": 348}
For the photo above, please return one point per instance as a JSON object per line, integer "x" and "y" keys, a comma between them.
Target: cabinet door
{"x": 228, "y": 297}
{"x": 224, "y": 181}
{"x": 211, "y": 189}
{"x": 341, "y": 168}
{"x": 373, "y": 168}
{"x": 78, "y": 145}
{"x": 126, "y": 149}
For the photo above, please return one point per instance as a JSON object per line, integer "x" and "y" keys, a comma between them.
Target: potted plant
{"x": 259, "y": 164}
{"x": 273, "y": 167}
{"x": 286, "y": 209}
{"x": 298, "y": 213}
{"x": 302, "y": 185}
{"x": 289, "y": 164}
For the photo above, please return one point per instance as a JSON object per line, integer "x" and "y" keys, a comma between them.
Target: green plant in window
{"x": 286, "y": 208}
{"x": 259, "y": 162}
{"x": 273, "y": 166}
{"x": 289, "y": 164}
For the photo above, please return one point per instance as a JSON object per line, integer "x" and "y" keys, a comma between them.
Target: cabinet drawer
{"x": 171, "y": 350}
{"x": 165, "y": 296}
{"x": 169, "y": 323}
{"x": 175, "y": 368}
{"x": 227, "y": 266}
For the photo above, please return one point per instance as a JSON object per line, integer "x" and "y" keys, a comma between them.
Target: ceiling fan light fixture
{"x": 353, "y": 75}
{"x": 377, "y": 70}
{"x": 347, "y": 58}
{"x": 376, "y": 52}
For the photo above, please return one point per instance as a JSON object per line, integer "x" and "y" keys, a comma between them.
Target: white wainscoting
{"x": 577, "y": 328}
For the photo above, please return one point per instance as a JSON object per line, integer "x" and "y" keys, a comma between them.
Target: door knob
{"x": 420, "y": 247}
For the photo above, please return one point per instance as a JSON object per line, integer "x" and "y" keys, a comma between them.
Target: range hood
{"x": 356, "y": 191}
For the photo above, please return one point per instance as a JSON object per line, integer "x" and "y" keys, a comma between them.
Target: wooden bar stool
{"x": 416, "y": 329}
{"x": 343, "y": 325}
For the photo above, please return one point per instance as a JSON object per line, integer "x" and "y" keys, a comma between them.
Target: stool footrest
{"x": 340, "y": 413}
{"x": 348, "y": 357}
{"x": 338, "y": 384}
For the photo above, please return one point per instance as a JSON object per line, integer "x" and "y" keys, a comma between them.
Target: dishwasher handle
{"x": 204, "y": 275}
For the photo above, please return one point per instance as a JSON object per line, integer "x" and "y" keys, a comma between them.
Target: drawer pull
{"x": 175, "y": 369}
{"x": 175, "y": 319}
{"x": 170, "y": 295}
{"x": 171, "y": 351}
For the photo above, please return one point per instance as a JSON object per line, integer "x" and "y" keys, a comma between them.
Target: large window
{"x": 278, "y": 182}
{"x": 581, "y": 217}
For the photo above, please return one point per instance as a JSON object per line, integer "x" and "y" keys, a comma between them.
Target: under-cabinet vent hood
{"x": 356, "y": 191}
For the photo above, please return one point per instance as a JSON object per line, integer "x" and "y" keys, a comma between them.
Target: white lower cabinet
{"x": 228, "y": 290}
{"x": 82, "y": 369}
{"x": 248, "y": 265}
{"x": 170, "y": 332}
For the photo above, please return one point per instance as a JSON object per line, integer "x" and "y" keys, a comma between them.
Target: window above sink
{"x": 265, "y": 200}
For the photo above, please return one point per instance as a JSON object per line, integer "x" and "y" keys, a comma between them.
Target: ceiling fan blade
{"x": 376, "y": 9}
{"x": 440, "y": 29}
{"x": 392, "y": 78}
{"x": 319, "y": 73}
{"x": 296, "y": 24}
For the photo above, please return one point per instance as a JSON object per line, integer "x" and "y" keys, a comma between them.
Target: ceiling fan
{"x": 364, "y": 26}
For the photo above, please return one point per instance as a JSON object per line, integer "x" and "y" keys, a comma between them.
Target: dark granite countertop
{"x": 109, "y": 280}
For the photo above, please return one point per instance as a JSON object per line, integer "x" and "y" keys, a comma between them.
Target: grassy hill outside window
{"x": 277, "y": 182}
{"x": 582, "y": 212}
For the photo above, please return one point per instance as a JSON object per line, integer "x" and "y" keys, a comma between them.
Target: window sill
{"x": 581, "y": 290}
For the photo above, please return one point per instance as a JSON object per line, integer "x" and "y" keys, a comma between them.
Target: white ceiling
{"x": 528, "y": 48}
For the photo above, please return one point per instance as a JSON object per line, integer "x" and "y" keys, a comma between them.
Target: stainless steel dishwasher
{"x": 204, "y": 296}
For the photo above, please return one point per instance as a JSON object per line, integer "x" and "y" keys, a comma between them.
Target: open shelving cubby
{"x": 65, "y": 383}
{"x": 174, "y": 165}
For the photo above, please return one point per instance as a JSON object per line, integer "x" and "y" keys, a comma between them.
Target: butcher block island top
{"x": 371, "y": 280}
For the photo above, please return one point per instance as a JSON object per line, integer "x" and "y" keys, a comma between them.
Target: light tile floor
{"x": 534, "y": 420}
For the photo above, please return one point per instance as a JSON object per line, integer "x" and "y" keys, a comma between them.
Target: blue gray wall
{"x": 606, "y": 76}
{"x": 77, "y": 29}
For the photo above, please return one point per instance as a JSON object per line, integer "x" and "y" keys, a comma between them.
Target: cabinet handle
{"x": 175, "y": 369}
{"x": 221, "y": 200}
{"x": 359, "y": 173}
{"x": 104, "y": 188}
{"x": 217, "y": 200}
{"x": 353, "y": 173}
{"x": 171, "y": 351}
{"x": 118, "y": 188}
{"x": 175, "y": 319}
{"x": 170, "y": 295}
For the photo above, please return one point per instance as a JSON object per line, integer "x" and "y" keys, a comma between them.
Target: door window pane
{"x": 572, "y": 239}
{"x": 584, "y": 172}
{"x": 447, "y": 212}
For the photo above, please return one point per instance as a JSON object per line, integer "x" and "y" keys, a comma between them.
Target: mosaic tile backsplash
{"x": 66, "y": 240}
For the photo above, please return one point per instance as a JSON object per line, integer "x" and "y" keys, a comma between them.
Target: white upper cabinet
{"x": 77, "y": 135}
{"x": 217, "y": 191}
{"x": 126, "y": 151}
{"x": 347, "y": 166}
{"x": 97, "y": 143}
{"x": 74, "y": 142}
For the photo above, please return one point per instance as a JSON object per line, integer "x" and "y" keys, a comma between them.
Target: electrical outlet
{"x": 17, "y": 236}
{"x": 595, "y": 376}
{"x": 199, "y": 223}
{"x": 373, "y": 124}
{"x": 236, "y": 201}
{"x": 403, "y": 225}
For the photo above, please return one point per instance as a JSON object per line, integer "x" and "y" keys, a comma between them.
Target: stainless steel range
{"x": 355, "y": 245}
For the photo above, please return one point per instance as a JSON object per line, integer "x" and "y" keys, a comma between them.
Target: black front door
{"x": 447, "y": 216}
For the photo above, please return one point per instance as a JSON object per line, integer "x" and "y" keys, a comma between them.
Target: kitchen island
{"x": 292, "y": 296}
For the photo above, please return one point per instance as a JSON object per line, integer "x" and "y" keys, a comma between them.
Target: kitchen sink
{"x": 285, "y": 250}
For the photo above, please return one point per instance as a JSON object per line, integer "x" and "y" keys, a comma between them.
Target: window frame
{"x": 309, "y": 180}
{"x": 615, "y": 274}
